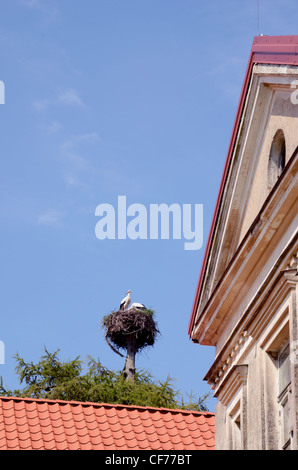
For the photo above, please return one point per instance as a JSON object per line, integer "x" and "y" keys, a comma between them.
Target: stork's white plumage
{"x": 137, "y": 305}
{"x": 125, "y": 302}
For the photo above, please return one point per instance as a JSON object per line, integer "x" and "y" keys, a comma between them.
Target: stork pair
{"x": 126, "y": 301}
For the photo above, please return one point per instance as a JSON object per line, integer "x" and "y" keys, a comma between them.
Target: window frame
{"x": 284, "y": 397}
{"x": 277, "y": 158}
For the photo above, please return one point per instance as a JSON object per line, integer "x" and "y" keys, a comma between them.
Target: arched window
{"x": 277, "y": 158}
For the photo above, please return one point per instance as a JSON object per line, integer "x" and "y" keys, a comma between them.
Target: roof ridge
{"x": 103, "y": 404}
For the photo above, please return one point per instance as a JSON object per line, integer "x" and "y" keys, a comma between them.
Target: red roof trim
{"x": 281, "y": 50}
{"x": 106, "y": 405}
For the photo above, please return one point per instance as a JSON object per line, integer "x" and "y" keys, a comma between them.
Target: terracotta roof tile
{"x": 48, "y": 424}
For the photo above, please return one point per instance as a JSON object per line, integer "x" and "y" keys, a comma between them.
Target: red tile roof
{"x": 28, "y": 424}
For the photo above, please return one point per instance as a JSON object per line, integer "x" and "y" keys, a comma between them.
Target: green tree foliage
{"x": 53, "y": 379}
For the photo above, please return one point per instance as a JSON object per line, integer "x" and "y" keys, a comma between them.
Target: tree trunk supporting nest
{"x": 130, "y": 361}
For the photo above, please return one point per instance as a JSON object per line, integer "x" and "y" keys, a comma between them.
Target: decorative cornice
{"x": 226, "y": 365}
{"x": 208, "y": 324}
{"x": 245, "y": 335}
{"x": 293, "y": 263}
{"x": 234, "y": 380}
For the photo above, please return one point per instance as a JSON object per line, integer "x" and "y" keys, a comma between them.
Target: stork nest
{"x": 122, "y": 325}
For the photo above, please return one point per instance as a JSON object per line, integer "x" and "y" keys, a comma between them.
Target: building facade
{"x": 246, "y": 303}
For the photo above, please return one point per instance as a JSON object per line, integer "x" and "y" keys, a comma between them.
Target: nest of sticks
{"x": 127, "y": 325}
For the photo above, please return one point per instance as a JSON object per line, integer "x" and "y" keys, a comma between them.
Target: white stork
{"x": 125, "y": 302}
{"x": 137, "y": 306}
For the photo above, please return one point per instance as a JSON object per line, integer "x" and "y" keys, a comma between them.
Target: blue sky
{"x": 106, "y": 98}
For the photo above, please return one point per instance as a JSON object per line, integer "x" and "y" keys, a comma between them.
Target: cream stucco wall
{"x": 260, "y": 421}
{"x": 284, "y": 116}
